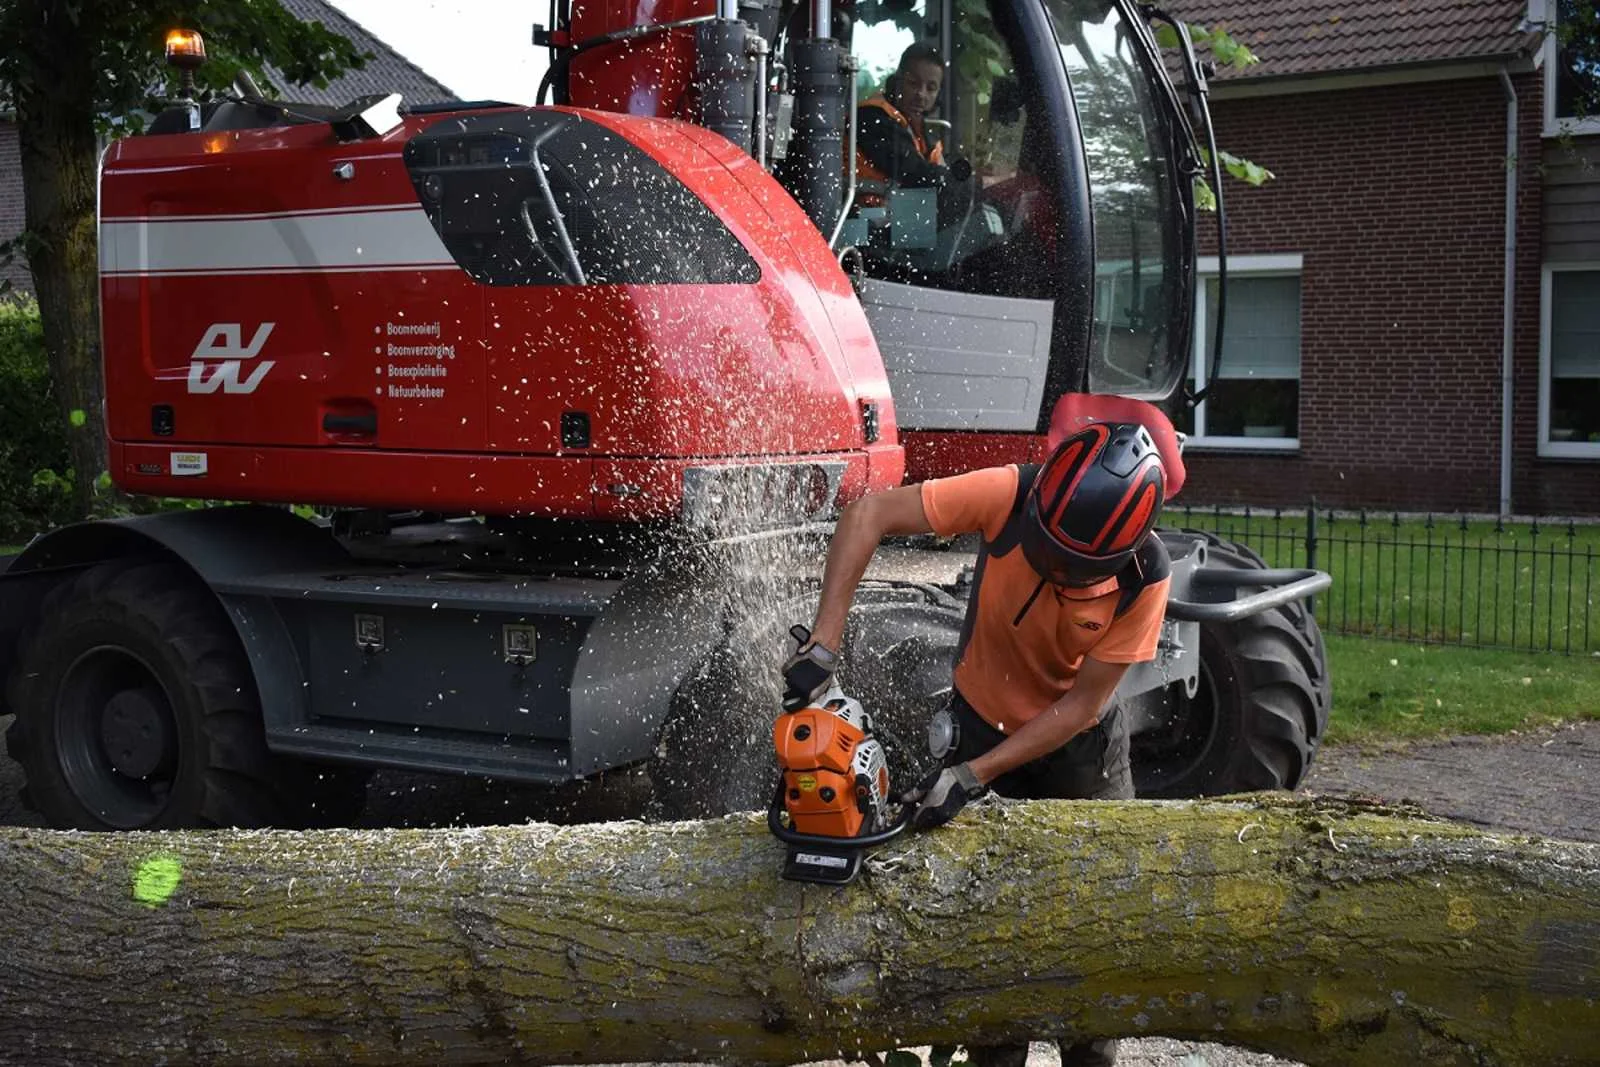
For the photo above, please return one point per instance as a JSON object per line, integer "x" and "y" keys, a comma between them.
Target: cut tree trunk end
{"x": 1329, "y": 932}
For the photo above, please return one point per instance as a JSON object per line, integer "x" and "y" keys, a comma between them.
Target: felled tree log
{"x": 1326, "y": 932}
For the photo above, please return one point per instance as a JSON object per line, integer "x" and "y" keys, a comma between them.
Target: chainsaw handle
{"x": 793, "y": 837}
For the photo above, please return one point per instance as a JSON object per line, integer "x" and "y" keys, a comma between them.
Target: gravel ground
{"x": 1545, "y": 782}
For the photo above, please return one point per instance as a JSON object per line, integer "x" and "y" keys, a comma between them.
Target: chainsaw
{"x": 832, "y": 802}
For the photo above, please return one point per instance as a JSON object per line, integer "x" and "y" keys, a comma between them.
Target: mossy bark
{"x": 1331, "y": 933}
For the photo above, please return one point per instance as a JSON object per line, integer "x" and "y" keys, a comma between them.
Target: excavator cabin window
{"x": 1050, "y": 188}
{"x": 946, "y": 197}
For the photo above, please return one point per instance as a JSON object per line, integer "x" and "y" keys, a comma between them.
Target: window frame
{"x": 1549, "y": 449}
{"x": 1279, "y": 265}
{"x": 1550, "y": 58}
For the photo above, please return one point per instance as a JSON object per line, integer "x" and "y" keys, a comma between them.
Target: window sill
{"x": 1580, "y": 450}
{"x": 1571, "y": 128}
{"x": 1271, "y": 445}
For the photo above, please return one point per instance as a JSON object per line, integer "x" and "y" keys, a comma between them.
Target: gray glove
{"x": 808, "y": 673}
{"x": 941, "y": 795}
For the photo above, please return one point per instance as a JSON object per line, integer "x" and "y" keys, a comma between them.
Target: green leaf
{"x": 1166, "y": 37}
{"x": 1244, "y": 170}
{"x": 77, "y": 417}
{"x": 904, "y": 1058}
{"x": 1231, "y": 53}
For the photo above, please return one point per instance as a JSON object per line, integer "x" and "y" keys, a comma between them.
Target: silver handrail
{"x": 1286, "y": 584}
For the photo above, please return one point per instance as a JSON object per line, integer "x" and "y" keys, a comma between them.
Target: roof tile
{"x": 1303, "y": 37}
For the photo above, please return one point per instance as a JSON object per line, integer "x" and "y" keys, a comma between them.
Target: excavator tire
{"x": 1261, "y": 708}
{"x": 714, "y": 753}
{"x": 136, "y": 710}
{"x": 900, "y": 651}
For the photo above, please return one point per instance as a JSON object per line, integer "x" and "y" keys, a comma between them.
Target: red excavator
{"x": 530, "y": 415}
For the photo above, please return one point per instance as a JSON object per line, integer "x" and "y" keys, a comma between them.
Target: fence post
{"x": 1311, "y": 550}
{"x": 1361, "y": 581}
{"x": 1533, "y": 585}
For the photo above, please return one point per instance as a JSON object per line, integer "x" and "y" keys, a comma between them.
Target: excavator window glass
{"x": 1039, "y": 207}
{"x": 544, "y": 198}
{"x": 947, "y": 195}
{"x": 1139, "y": 227}
{"x": 881, "y": 35}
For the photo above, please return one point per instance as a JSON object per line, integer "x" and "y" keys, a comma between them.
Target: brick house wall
{"x": 11, "y": 215}
{"x": 1395, "y": 198}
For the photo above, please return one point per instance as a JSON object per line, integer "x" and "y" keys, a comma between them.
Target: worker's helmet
{"x": 1092, "y": 503}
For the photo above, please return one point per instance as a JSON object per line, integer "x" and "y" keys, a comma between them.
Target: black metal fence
{"x": 1433, "y": 579}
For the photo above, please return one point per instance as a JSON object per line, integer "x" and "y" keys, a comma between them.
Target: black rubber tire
{"x": 1297, "y": 612}
{"x": 714, "y": 755}
{"x": 900, "y": 654}
{"x": 150, "y": 628}
{"x": 1261, "y": 708}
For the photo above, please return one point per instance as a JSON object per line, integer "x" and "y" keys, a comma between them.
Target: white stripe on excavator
{"x": 359, "y": 209}
{"x": 299, "y": 242}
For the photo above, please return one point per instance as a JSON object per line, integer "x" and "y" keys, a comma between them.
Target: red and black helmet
{"x": 1092, "y": 503}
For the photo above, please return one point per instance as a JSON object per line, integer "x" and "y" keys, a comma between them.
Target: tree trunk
{"x": 59, "y": 149}
{"x": 1331, "y": 933}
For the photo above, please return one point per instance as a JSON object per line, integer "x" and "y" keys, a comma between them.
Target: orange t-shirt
{"x": 1023, "y": 645}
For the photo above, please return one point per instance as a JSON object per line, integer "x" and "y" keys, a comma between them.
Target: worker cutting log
{"x": 1070, "y": 590}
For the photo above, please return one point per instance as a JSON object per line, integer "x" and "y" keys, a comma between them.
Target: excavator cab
{"x": 1057, "y": 254}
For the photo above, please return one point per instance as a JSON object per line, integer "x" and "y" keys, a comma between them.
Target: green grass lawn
{"x": 1520, "y": 586}
{"x": 1392, "y": 691}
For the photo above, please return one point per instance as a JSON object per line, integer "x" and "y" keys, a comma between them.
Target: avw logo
{"x": 219, "y": 359}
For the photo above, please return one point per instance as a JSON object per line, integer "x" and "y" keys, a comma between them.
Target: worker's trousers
{"x": 1092, "y": 766}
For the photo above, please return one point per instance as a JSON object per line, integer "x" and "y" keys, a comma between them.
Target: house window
{"x": 1569, "y": 362}
{"x": 1572, "y": 69}
{"x": 1255, "y": 400}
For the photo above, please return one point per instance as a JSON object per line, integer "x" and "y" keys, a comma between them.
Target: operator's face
{"x": 919, "y": 87}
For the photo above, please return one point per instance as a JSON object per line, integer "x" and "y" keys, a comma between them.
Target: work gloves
{"x": 808, "y": 673}
{"x": 941, "y": 795}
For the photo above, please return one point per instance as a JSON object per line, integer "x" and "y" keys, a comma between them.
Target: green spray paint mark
{"x": 156, "y": 880}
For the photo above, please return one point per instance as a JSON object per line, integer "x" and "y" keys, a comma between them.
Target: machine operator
{"x": 1070, "y": 589}
{"x": 893, "y": 143}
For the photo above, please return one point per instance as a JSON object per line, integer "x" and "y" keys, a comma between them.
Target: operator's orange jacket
{"x": 868, "y": 171}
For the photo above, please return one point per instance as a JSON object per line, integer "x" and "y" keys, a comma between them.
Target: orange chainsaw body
{"x": 835, "y": 777}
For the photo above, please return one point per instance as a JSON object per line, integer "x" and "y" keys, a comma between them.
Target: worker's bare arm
{"x": 862, "y": 526}
{"x": 1074, "y": 713}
